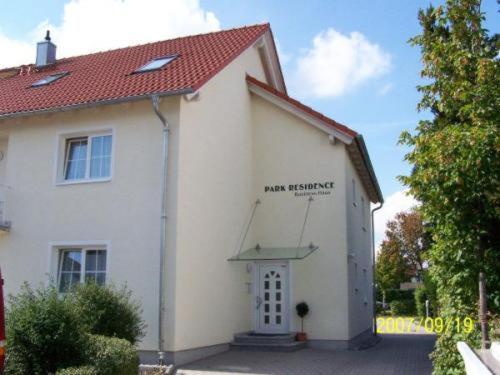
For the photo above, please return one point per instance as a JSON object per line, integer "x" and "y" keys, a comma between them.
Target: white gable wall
{"x": 214, "y": 198}
{"x": 287, "y": 150}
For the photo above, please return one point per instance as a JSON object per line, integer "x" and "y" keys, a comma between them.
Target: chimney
{"x": 45, "y": 52}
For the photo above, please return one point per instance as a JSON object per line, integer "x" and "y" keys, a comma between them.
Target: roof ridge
{"x": 145, "y": 44}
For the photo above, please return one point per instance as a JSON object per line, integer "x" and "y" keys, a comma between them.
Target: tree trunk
{"x": 483, "y": 312}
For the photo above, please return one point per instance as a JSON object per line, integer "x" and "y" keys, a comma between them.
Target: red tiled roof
{"x": 106, "y": 76}
{"x": 334, "y": 124}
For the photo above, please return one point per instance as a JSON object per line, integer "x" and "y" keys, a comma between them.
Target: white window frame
{"x": 56, "y": 248}
{"x": 62, "y": 153}
{"x": 83, "y": 271}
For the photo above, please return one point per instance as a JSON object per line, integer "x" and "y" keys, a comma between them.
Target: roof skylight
{"x": 49, "y": 79}
{"x": 155, "y": 64}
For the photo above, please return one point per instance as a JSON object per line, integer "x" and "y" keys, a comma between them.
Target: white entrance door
{"x": 271, "y": 301}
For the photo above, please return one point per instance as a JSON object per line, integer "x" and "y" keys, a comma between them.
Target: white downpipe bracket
{"x": 163, "y": 219}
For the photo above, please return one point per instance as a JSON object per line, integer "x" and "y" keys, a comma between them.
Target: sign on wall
{"x": 302, "y": 189}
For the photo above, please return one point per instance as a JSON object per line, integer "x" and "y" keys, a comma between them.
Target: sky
{"x": 347, "y": 59}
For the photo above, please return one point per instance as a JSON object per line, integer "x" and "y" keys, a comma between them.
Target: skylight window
{"x": 49, "y": 79}
{"x": 155, "y": 64}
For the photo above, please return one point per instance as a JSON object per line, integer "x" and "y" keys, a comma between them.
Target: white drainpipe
{"x": 373, "y": 270}
{"x": 155, "y": 101}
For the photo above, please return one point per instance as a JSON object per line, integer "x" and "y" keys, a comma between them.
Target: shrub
{"x": 402, "y": 307}
{"x": 43, "y": 332}
{"x": 111, "y": 356}
{"x": 109, "y": 311}
{"x": 83, "y": 370}
{"x": 420, "y": 298}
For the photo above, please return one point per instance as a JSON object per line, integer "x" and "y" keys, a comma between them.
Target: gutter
{"x": 155, "y": 99}
{"x": 366, "y": 158}
{"x": 96, "y": 103}
{"x": 374, "y": 279}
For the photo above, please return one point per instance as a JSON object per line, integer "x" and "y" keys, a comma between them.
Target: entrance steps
{"x": 266, "y": 342}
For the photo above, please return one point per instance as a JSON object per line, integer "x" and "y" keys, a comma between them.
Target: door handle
{"x": 258, "y": 302}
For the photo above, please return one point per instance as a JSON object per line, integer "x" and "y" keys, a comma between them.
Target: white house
{"x": 184, "y": 169}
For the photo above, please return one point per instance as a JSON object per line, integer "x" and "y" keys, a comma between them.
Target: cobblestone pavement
{"x": 394, "y": 354}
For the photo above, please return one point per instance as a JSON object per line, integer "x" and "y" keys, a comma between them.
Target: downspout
{"x": 374, "y": 285}
{"x": 163, "y": 219}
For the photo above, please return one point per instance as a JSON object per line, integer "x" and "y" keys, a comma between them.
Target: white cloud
{"x": 394, "y": 203}
{"x": 97, "y": 25}
{"x": 385, "y": 89}
{"x": 337, "y": 63}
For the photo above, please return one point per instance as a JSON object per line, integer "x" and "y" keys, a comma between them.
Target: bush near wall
{"x": 43, "y": 332}
{"x": 46, "y": 332}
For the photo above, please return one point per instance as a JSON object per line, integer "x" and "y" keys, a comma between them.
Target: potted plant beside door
{"x": 302, "y": 310}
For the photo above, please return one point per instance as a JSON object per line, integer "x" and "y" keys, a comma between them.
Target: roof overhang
{"x": 354, "y": 142}
{"x": 270, "y": 61}
{"x": 96, "y": 103}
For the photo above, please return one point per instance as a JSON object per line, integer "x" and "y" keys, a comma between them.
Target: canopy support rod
{"x": 257, "y": 202}
{"x": 309, "y": 201}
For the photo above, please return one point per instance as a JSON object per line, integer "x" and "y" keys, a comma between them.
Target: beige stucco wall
{"x": 124, "y": 212}
{"x": 214, "y": 198}
{"x": 290, "y": 151}
{"x": 359, "y": 247}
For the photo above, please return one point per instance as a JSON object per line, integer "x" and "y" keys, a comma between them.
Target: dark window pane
{"x": 272, "y": 273}
{"x": 266, "y": 319}
{"x": 278, "y": 284}
{"x": 278, "y": 307}
{"x": 266, "y": 296}
{"x": 91, "y": 260}
{"x": 101, "y": 278}
{"x": 266, "y": 307}
{"x": 278, "y": 319}
{"x": 266, "y": 284}
{"x": 278, "y": 296}
{"x": 101, "y": 260}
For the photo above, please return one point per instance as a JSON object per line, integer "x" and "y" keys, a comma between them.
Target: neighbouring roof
{"x": 354, "y": 141}
{"x": 108, "y": 76}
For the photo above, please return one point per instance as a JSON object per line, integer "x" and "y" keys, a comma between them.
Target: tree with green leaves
{"x": 389, "y": 268}
{"x": 456, "y": 167}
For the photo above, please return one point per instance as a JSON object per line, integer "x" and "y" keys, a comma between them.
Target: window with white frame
{"x": 88, "y": 157}
{"x": 80, "y": 265}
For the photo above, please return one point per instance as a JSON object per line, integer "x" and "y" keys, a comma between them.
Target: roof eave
{"x": 369, "y": 167}
{"x": 97, "y": 103}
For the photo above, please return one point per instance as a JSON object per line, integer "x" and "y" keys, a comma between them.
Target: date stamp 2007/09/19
{"x": 423, "y": 325}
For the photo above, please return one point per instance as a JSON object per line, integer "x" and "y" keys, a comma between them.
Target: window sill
{"x": 86, "y": 181}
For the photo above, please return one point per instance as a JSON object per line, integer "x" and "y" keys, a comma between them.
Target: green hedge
{"x": 109, "y": 311}
{"x": 83, "y": 370}
{"x": 46, "y": 332}
{"x": 43, "y": 332}
{"x": 403, "y": 307}
{"x": 112, "y": 356}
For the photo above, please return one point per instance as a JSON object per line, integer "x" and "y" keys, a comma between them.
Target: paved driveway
{"x": 394, "y": 354}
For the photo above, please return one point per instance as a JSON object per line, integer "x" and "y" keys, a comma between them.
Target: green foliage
{"x": 420, "y": 298}
{"x": 82, "y": 370}
{"x": 456, "y": 164}
{"x": 398, "y": 294}
{"x": 302, "y": 309}
{"x": 109, "y": 311}
{"x": 43, "y": 332}
{"x": 402, "y": 307}
{"x": 47, "y": 332}
{"x": 111, "y": 356}
{"x": 389, "y": 268}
